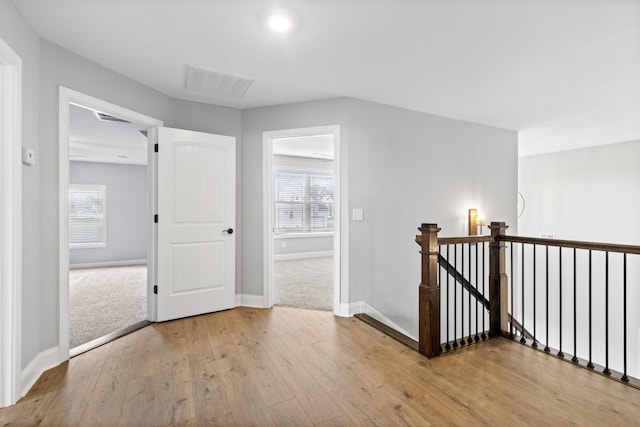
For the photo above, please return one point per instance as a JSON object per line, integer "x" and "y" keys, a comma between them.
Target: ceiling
{"x": 105, "y": 141}
{"x": 313, "y": 146}
{"x": 564, "y": 73}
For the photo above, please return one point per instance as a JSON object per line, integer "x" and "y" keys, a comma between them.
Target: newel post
{"x": 429, "y": 293}
{"x": 498, "y": 282}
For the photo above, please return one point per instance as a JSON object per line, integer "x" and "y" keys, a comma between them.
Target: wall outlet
{"x": 283, "y": 244}
{"x": 358, "y": 214}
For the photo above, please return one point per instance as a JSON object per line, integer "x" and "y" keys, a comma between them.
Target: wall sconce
{"x": 473, "y": 222}
{"x": 476, "y": 219}
{"x": 481, "y": 220}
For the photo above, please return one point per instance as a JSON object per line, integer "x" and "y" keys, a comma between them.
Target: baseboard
{"x": 41, "y": 363}
{"x": 372, "y": 312}
{"x": 245, "y": 300}
{"x": 122, "y": 263}
{"x": 302, "y": 255}
{"x": 349, "y": 309}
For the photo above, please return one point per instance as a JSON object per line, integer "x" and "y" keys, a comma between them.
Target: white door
{"x": 196, "y": 220}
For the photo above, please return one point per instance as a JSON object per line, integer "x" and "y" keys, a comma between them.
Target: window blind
{"x": 87, "y": 216}
{"x": 304, "y": 201}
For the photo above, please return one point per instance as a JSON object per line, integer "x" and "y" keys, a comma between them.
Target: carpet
{"x": 105, "y": 300}
{"x": 304, "y": 283}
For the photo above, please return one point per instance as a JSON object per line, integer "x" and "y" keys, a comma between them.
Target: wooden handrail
{"x": 458, "y": 240}
{"x": 596, "y": 246}
{"x": 578, "y": 244}
{"x": 464, "y": 239}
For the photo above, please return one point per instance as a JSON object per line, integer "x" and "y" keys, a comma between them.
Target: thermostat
{"x": 28, "y": 156}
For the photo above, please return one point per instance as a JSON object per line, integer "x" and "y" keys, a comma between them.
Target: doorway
{"x": 302, "y": 207}
{"x": 10, "y": 225}
{"x": 108, "y": 226}
{"x": 105, "y": 228}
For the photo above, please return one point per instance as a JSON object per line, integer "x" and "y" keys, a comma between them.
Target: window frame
{"x": 89, "y": 187}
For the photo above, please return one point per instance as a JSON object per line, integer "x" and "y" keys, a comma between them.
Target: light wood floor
{"x": 293, "y": 367}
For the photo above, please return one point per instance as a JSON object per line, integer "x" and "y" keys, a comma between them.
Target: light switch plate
{"x": 28, "y": 156}
{"x": 358, "y": 214}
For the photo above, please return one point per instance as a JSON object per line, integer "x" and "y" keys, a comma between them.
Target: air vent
{"x": 108, "y": 118}
{"x": 216, "y": 84}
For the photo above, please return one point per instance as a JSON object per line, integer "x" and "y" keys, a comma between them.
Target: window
{"x": 87, "y": 216}
{"x": 303, "y": 201}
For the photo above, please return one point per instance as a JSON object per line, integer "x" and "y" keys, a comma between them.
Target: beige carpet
{"x": 305, "y": 283}
{"x": 105, "y": 300}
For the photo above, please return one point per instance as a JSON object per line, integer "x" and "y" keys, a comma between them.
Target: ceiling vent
{"x": 216, "y": 84}
{"x": 109, "y": 118}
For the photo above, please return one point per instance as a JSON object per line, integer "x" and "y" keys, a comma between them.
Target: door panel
{"x": 196, "y": 207}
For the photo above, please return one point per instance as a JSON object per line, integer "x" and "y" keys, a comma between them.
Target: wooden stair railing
{"x": 429, "y": 293}
{"x": 429, "y": 290}
{"x": 605, "y": 350}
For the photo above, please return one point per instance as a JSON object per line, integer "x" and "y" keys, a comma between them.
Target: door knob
{"x": 228, "y": 231}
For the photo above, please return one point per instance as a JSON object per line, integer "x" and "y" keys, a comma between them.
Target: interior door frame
{"x": 66, "y": 97}
{"x": 340, "y": 247}
{"x": 10, "y": 225}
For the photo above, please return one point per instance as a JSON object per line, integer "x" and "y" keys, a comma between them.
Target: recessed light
{"x": 279, "y": 23}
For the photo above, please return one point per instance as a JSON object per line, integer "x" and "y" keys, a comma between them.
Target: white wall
{"x": 406, "y": 168}
{"x": 403, "y": 168}
{"x": 18, "y": 35}
{"x": 127, "y": 212}
{"x": 587, "y": 194}
{"x": 255, "y": 121}
{"x": 287, "y": 247}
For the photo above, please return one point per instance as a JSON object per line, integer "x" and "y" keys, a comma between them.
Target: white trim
{"x": 349, "y": 309}
{"x": 122, "y": 263}
{"x": 302, "y": 255}
{"x": 341, "y": 259}
{"x": 370, "y": 311}
{"x": 245, "y": 300}
{"x": 66, "y": 97}
{"x": 10, "y": 225}
{"x": 44, "y": 361}
{"x": 268, "y": 222}
{"x": 152, "y": 241}
{"x": 302, "y": 169}
{"x": 301, "y": 235}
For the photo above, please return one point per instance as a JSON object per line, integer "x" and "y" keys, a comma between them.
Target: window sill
{"x": 87, "y": 245}
{"x": 301, "y": 235}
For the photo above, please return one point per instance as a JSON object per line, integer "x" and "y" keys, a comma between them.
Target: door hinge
{"x": 155, "y": 218}
{"x": 155, "y": 289}
{"x": 155, "y": 148}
